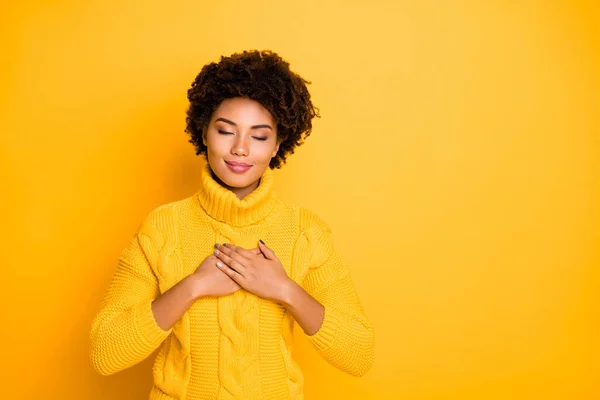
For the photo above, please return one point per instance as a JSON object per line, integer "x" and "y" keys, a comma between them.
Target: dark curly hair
{"x": 262, "y": 76}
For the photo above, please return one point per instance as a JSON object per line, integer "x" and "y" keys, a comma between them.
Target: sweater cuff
{"x": 148, "y": 330}
{"x": 328, "y": 331}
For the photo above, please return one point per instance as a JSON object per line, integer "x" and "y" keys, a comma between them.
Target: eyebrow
{"x": 252, "y": 127}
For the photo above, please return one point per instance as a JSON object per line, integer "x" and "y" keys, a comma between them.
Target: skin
{"x": 241, "y": 130}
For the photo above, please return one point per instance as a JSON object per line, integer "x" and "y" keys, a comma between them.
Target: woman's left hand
{"x": 259, "y": 272}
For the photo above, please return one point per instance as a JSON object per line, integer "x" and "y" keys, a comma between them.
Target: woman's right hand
{"x": 211, "y": 281}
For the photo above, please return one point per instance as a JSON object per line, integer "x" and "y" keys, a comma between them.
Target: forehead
{"x": 243, "y": 111}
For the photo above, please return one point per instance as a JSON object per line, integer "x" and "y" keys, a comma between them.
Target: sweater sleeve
{"x": 345, "y": 338}
{"x": 124, "y": 332}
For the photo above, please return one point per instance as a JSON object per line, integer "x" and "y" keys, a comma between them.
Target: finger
{"x": 256, "y": 251}
{"x": 269, "y": 254}
{"x": 232, "y": 254}
{"x": 240, "y": 250}
{"x": 233, "y": 274}
{"x": 228, "y": 249}
{"x": 231, "y": 263}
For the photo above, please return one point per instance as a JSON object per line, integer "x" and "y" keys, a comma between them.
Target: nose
{"x": 240, "y": 147}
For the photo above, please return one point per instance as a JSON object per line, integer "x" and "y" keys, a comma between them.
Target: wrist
{"x": 195, "y": 287}
{"x": 288, "y": 293}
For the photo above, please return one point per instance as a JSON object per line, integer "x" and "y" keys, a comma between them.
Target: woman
{"x": 217, "y": 279}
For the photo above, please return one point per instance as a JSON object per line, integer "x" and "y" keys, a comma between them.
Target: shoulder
{"x": 303, "y": 218}
{"x": 163, "y": 218}
{"x": 310, "y": 221}
{"x": 317, "y": 233}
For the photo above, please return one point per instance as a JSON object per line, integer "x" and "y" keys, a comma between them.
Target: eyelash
{"x": 231, "y": 133}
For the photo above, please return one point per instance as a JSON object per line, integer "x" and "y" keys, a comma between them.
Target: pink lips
{"x": 238, "y": 167}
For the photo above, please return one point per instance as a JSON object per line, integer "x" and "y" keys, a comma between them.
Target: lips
{"x": 238, "y": 164}
{"x": 238, "y": 167}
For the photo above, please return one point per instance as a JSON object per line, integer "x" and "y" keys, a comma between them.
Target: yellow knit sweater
{"x": 236, "y": 346}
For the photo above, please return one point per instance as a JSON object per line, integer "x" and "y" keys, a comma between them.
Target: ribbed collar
{"x": 223, "y": 205}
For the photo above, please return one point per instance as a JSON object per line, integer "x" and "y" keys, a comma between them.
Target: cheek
{"x": 217, "y": 145}
{"x": 263, "y": 157}
{"x": 267, "y": 150}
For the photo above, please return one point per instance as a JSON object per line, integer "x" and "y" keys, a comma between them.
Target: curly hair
{"x": 262, "y": 76}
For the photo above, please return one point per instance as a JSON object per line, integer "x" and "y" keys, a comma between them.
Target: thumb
{"x": 269, "y": 254}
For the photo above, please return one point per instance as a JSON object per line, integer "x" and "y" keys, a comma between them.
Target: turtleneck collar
{"x": 223, "y": 205}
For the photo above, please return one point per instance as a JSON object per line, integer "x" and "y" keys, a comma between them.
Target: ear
{"x": 204, "y": 129}
{"x": 276, "y": 148}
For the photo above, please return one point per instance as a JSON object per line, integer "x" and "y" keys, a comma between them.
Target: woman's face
{"x": 241, "y": 139}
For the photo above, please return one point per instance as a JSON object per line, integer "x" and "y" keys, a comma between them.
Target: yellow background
{"x": 456, "y": 160}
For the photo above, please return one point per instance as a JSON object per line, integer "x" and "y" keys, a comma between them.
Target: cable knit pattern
{"x": 237, "y": 346}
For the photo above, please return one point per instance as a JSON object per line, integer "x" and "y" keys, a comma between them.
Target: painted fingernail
{"x": 216, "y": 252}
{"x": 216, "y": 245}
{"x": 260, "y": 240}
{"x": 219, "y": 264}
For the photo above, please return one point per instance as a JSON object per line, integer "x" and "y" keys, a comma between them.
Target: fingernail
{"x": 216, "y": 245}
{"x": 260, "y": 240}
{"x": 216, "y": 252}
{"x": 219, "y": 264}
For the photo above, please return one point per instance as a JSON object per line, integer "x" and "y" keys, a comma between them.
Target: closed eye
{"x": 261, "y": 138}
